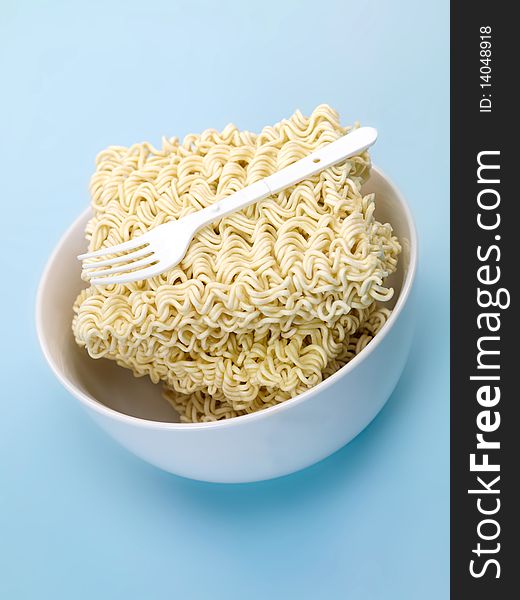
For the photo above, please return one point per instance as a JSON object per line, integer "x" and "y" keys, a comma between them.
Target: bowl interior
{"x": 102, "y": 380}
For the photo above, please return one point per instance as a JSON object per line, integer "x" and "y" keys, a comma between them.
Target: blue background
{"x": 79, "y": 516}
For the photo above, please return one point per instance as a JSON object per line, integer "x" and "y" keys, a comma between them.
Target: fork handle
{"x": 353, "y": 143}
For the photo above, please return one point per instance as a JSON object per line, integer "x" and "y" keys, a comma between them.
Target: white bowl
{"x": 274, "y": 442}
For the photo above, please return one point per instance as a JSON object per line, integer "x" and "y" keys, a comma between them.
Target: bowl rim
{"x": 105, "y": 411}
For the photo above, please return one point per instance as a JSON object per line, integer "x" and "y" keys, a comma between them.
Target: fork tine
{"x": 130, "y": 245}
{"x": 124, "y": 268}
{"x": 128, "y": 277}
{"x": 117, "y": 259}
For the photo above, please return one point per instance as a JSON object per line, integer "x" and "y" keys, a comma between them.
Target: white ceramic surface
{"x": 274, "y": 442}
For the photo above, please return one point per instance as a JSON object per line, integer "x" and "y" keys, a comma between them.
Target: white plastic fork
{"x": 164, "y": 246}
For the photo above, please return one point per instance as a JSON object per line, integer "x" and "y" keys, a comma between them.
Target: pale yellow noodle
{"x": 268, "y": 301}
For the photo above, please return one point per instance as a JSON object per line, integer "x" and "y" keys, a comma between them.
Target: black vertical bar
{"x": 485, "y": 257}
